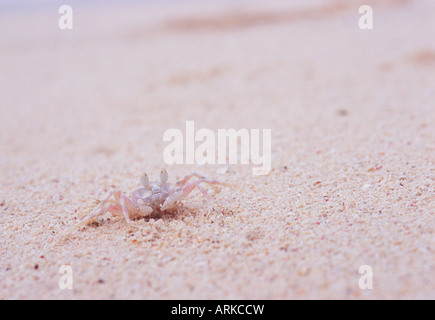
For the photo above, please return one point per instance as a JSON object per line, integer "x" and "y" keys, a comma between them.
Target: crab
{"x": 150, "y": 197}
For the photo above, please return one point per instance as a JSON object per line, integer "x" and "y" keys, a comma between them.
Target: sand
{"x": 352, "y": 115}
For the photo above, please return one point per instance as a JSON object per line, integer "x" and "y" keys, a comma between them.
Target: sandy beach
{"x": 352, "y": 120}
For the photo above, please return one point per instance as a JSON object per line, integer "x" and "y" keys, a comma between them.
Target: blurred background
{"x": 352, "y": 114}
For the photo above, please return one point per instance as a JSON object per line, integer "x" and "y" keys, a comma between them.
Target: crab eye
{"x": 163, "y": 176}
{"x": 145, "y": 181}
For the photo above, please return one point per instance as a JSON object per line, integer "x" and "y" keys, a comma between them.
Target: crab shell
{"x": 154, "y": 196}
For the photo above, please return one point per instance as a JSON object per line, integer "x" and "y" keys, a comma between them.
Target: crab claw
{"x": 169, "y": 202}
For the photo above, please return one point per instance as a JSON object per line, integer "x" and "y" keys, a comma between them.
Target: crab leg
{"x": 128, "y": 208}
{"x": 183, "y": 182}
{"x": 113, "y": 209}
{"x": 98, "y": 210}
{"x": 188, "y": 188}
{"x": 115, "y": 193}
{"x": 188, "y": 177}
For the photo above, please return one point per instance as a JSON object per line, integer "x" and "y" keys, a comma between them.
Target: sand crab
{"x": 150, "y": 197}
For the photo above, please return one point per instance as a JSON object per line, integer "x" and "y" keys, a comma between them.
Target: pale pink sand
{"x": 352, "y": 115}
